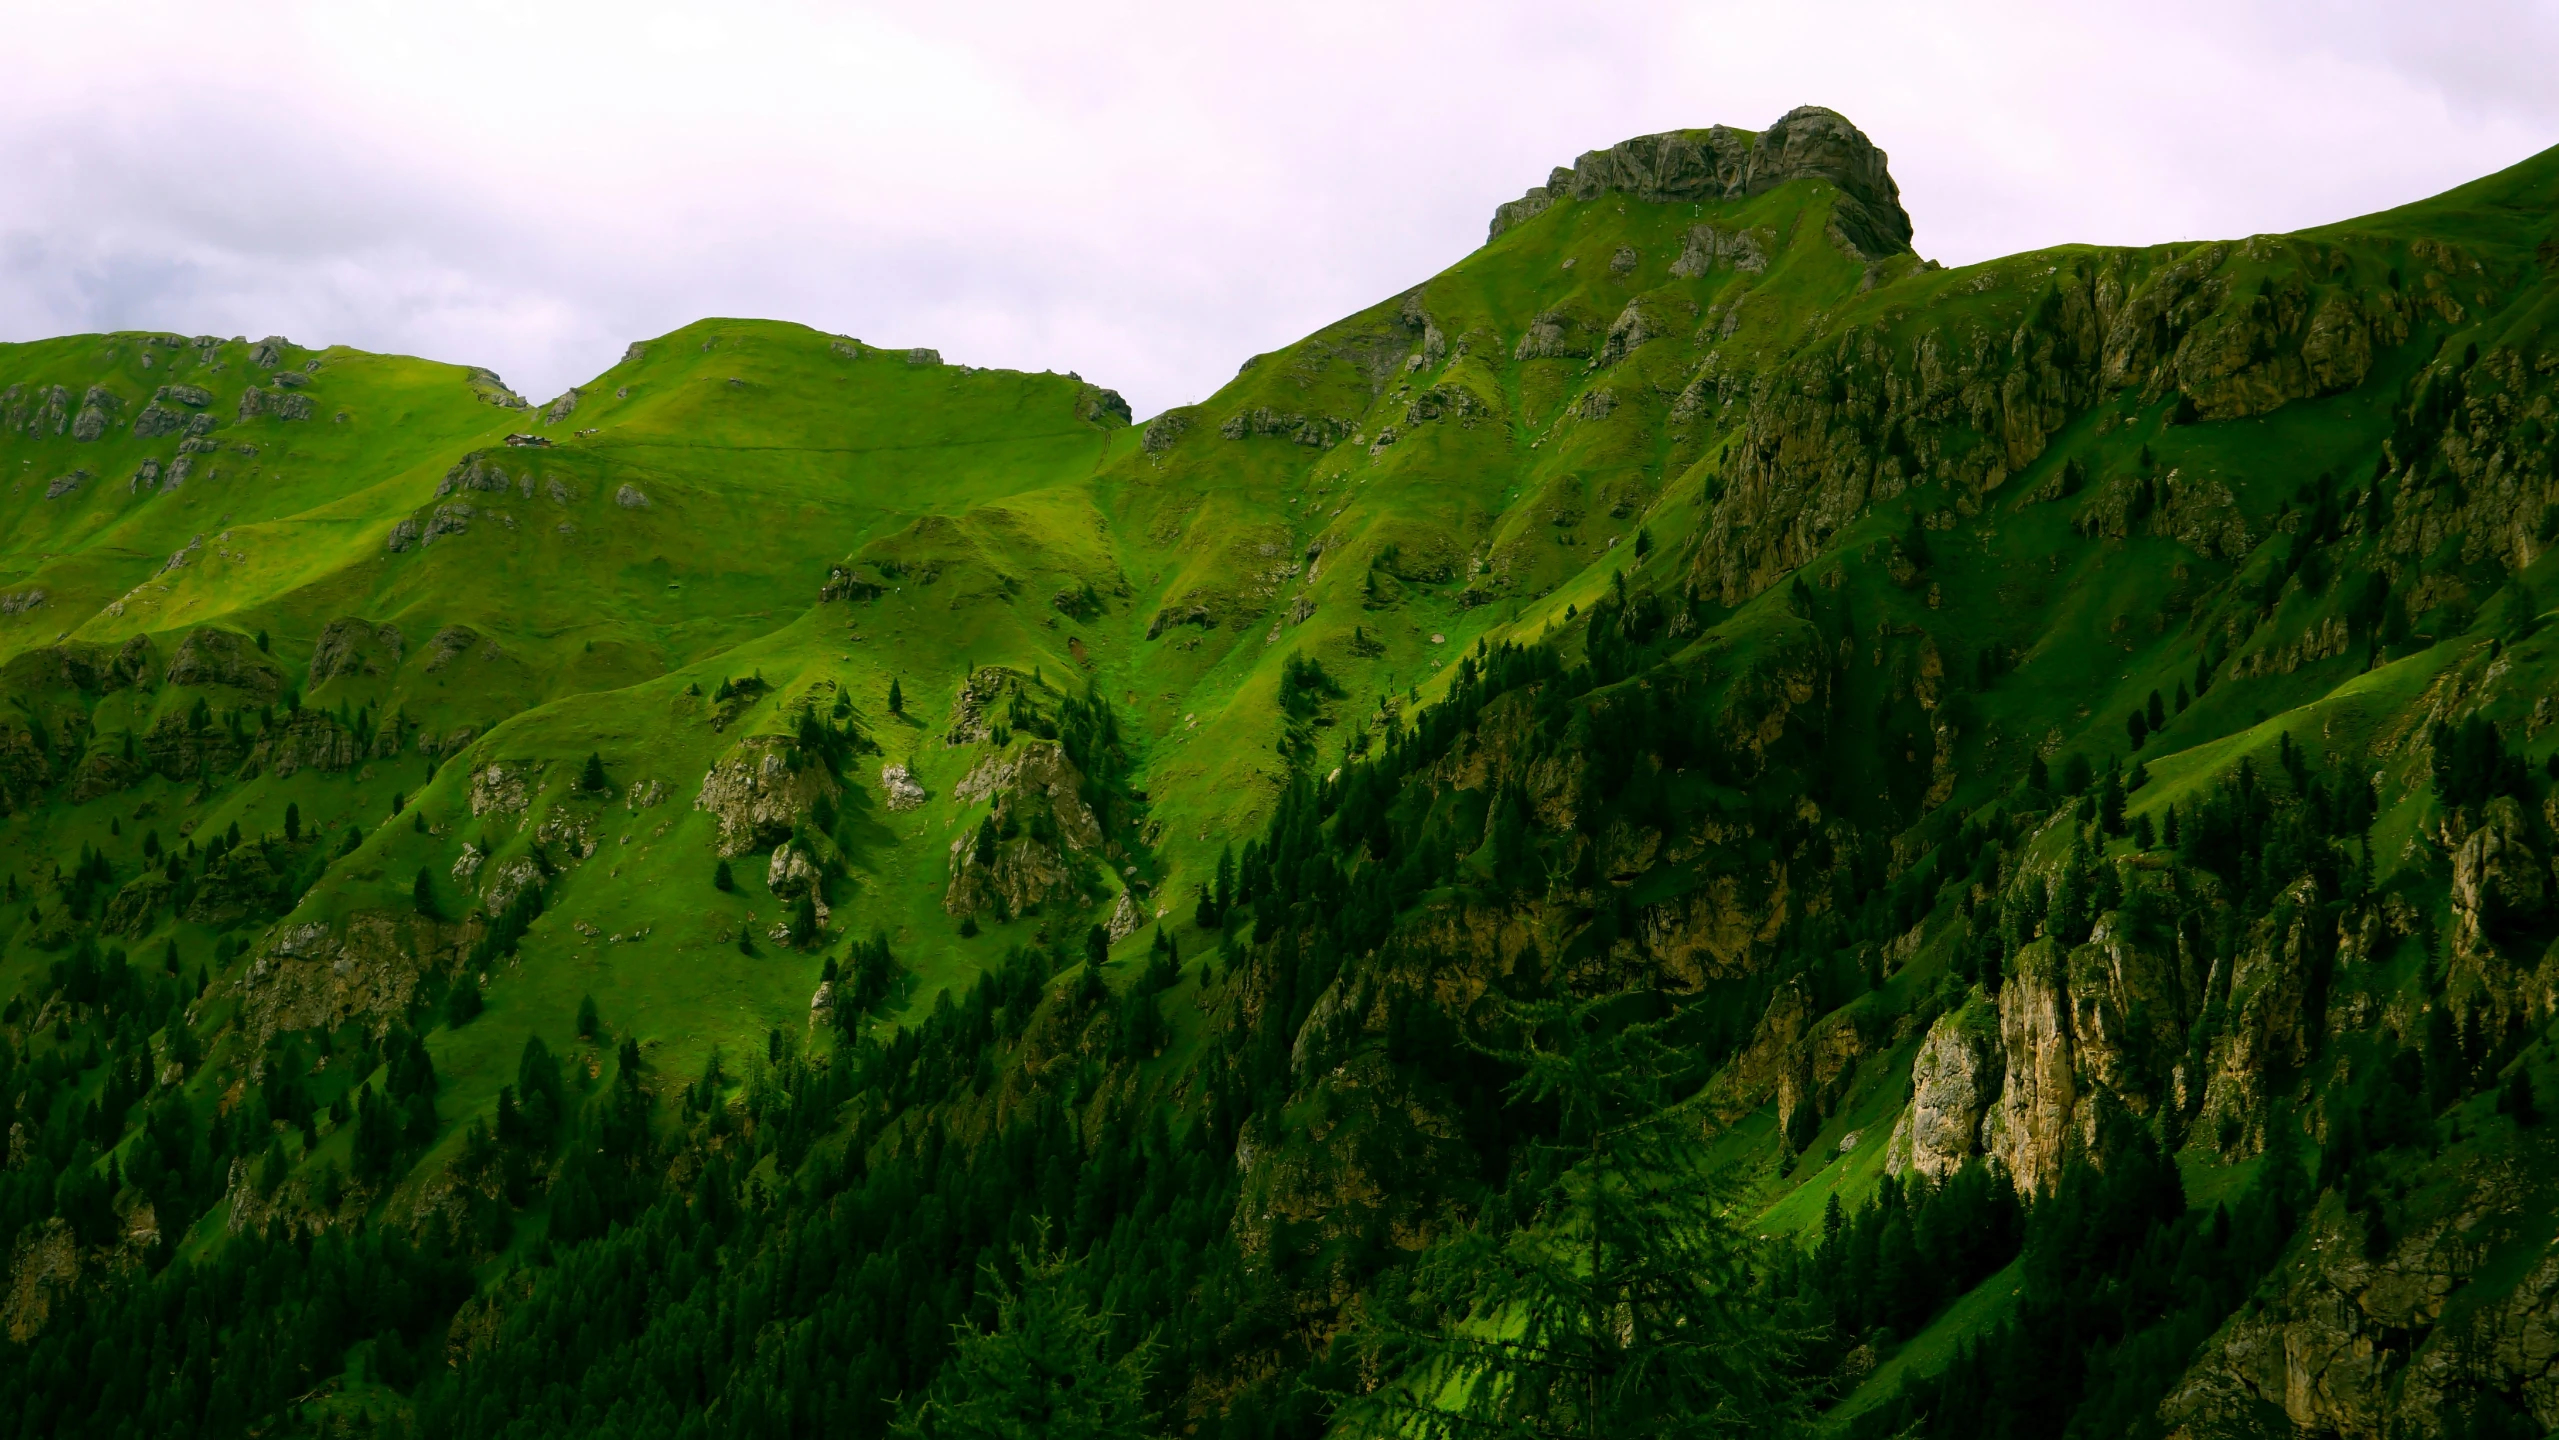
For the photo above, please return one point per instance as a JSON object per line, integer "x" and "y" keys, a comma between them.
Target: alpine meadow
{"x": 1697, "y": 826}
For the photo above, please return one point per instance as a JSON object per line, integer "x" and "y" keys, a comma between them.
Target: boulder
{"x": 903, "y": 793}
{"x": 791, "y": 871}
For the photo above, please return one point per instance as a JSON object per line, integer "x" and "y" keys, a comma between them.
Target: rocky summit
{"x": 1695, "y": 824}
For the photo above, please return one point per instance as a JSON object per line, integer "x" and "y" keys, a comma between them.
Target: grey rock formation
{"x": 1102, "y": 406}
{"x": 157, "y": 419}
{"x": 292, "y": 379}
{"x": 62, "y": 485}
{"x": 1164, "y": 429}
{"x": 267, "y": 354}
{"x": 19, "y": 602}
{"x": 403, "y": 536}
{"x": 1319, "y": 432}
{"x": 494, "y": 390}
{"x": 759, "y": 791}
{"x": 1953, "y": 1084}
{"x": 452, "y": 518}
{"x": 562, "y": 408}
{"x": 920, "y": 355}
{"x": 474, "y": 472}
{"x": 97, "y": 411}
{"x": 283, "y": 404}
{"x": 2500, "y": 882}
{"x": 903, "y": 792}
{"x": 193, "y": 396}
{"x": 1709, "y": 247}
{"x": 631, "y": 497}
{"x": 1723, "y": 163}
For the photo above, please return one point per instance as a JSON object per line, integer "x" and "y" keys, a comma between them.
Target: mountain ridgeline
{"x": 1696, "y": 825}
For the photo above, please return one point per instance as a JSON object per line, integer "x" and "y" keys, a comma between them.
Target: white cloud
{"x": 1143, "y": 193}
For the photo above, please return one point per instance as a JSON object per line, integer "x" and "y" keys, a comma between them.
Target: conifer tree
{"x": 592, "y": 777}
{"x": 1044, "y": 1371}
{"x": 897, "y": 698}
{"x": 1627, "y": 1303}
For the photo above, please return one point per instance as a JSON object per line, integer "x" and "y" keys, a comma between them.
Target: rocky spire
{"x": 1724, "y": 163}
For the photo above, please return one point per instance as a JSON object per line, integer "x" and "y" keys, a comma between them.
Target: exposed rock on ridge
{"x": 1723, "y": 163}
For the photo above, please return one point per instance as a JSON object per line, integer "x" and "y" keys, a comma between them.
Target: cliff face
{"x": 1722, "y": 163}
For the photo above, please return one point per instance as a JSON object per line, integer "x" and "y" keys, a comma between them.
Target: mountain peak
{"x": 1724, "y": 163}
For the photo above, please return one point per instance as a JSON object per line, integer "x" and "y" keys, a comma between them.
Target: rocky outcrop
{"x": 479, "y": 472}
{"x": 308, "y": 740}
{"x": 2029, "y": 1130}
{"x": 1317, "y": 431}
{"x": 760, "y": 791}
{"x": 364, "y": 967}
{"x": 98, "y": 410}
{"x": 900, "y": 787}
{"x": 1956, "y": 1078}
{"x": 792, "y": 871}
{"x": 2367, "y": 1342}
{"x": 1041, "y": 824}
{"x": 2500, "y": 881}
{"x": 1723, "y": 164}
{"x": 356, "y": 647}
{"x": 283, "y": 404}
{"x": 44, "y": 1267}
{"x": 210, "y": 656}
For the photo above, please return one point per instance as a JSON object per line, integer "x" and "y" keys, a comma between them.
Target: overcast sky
{"x": 1144, "y": 193}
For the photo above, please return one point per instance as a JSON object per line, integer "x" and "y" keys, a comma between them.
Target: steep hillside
{"x": 641, "y": 913}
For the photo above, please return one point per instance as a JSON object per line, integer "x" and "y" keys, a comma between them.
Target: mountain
{"x": 2003, "y": 817}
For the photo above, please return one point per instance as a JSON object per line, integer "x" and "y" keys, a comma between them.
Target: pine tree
{"x": 292, "y": 824}
{"x": 1627, "y": 1304}
{"x": 589, "y": 1023}
{"x": 897, "y": 698}
{"x": 1045, "y": 1371}
{"x": 721, "y": 879}
{"x": 423, "y": 893}
{"x": 592, "y": 777}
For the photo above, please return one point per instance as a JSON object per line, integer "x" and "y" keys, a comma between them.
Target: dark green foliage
{"x": 2472, "y": 765}
{"x": 590, "y": 1024}
{"x": 1623, "y": 1303}
{"x": 897, "y": 698}
{"x": 721, "y": 878}
{"x": 422, "y": 894}
{"x": 1047, "y": 1367}
{"x": 591, "y": 776}
{"x": 2121, "y": 1282}
{"x": 462, "y": 1003}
